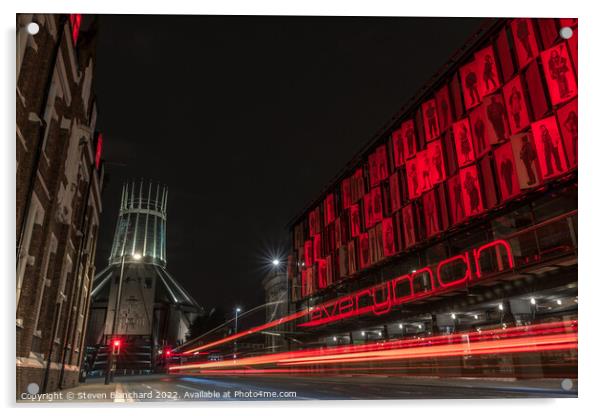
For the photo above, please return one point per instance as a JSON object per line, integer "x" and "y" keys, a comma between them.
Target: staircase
{"x": 135, "y": 357}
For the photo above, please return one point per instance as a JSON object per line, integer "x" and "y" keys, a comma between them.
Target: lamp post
{"x": 286, "y": 310}
{"x": 136, "y": 257}
{"x": 236, "y": 312}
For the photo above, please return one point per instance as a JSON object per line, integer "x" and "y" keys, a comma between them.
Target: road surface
{"x": 162, "y": 387}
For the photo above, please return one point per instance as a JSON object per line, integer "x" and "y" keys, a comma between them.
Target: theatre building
{"x": 459, "y": 219}
{"x": 59, "y": 178}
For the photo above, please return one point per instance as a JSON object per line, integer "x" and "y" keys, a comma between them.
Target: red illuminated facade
{"x": 472, "y": 186}
{"x": 511, "y": 128}
{"x": 449, "y": 245}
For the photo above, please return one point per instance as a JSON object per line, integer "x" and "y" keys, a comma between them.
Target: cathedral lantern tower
{"x": 141, "y": 227}
{"x": 154, "y": 311}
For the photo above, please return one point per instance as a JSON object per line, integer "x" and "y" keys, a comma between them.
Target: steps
{"x": 135, "y": 357}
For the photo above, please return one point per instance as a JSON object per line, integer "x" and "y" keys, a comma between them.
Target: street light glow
{"x": 237, "y": 309}
{"x": 137, "y": 256}
{"x": 275, "y": 262}
{"x": 532, "y": 301}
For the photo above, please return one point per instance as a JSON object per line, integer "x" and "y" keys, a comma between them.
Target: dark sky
{"x": 246, "y": 119}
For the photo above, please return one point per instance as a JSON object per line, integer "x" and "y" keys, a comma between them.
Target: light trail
{"x": 248, "y": 332}
{"x": 532, "y": 338}
{"x": 357, "y": 371}
{"x": 192, "y": 341}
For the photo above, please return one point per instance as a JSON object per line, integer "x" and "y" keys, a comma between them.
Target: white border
{"x": 590, "y": 65}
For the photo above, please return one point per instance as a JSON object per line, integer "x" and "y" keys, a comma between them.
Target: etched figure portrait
{"x": 471, "y": 190}
{"x": 514, "y": 96}
{"x": 507, "y": 177}
{"x": 549, "y": 146}
{"x": 430, "y": 119}
{"x": 409, "y": 139}
{"x": 568, "y": 121}
{"x": 524, "y": 40}
{"x": 471, "y": 84}
{"x": 559, "y": 73}
{"x": 463, "y": 141}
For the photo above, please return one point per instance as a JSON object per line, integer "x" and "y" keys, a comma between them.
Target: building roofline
{"x": 475, "y": 41}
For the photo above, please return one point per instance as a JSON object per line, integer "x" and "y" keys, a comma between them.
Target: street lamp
{"x": 236, "y": 312}
{"x": 136, "y": 256}
{"x": 276, "y": 268}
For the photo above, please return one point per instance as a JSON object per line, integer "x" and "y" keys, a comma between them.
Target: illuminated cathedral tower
{"x": 153, "y": 309}
{"x": 140, "y": 232}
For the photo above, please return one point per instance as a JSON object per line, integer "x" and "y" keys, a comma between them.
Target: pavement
{"x": 178, "y": 387}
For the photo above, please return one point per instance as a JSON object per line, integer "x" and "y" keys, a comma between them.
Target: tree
{"x": 204, "y": 323}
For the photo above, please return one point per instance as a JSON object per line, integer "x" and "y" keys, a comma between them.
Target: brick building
{"x": 58, "y": 193}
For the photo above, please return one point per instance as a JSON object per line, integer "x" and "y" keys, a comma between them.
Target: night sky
{"x": 246, "y": 119}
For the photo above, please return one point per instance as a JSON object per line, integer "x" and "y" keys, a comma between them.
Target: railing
{"x": 545, "y": 240}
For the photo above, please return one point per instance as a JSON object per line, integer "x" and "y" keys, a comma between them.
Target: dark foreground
{"x": 161, "y": 387}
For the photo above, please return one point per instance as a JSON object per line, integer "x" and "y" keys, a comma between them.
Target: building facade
{"x": 58, "y": 191}
{"x": 135, "y": 299}
{"x": 460, "y": 216}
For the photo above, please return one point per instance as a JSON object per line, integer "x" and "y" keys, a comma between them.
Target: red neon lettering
{"x": 467, "y": 274}
{"x": 380, "y": 308}
{"x": 477, "y": 254}
{"x": 380, "y": 299}
{"x": 316, "y": 313}
{"x": 346, "y": 305}
{"x": 361, "y": 305}
{"x": 331, "y": 309}
{"x": 398, "y": 300}
{"x": 420, "y": 272}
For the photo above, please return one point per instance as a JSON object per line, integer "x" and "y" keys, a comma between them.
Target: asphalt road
{"x": 252, "y": 387}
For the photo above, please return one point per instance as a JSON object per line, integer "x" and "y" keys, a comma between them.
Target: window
{"x": 47, "y": 262}
{"x": 36, "y": 217}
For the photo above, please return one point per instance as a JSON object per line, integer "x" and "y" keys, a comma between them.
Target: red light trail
{"x": 251, "y": 331}
{"x": 553, "y": 336}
